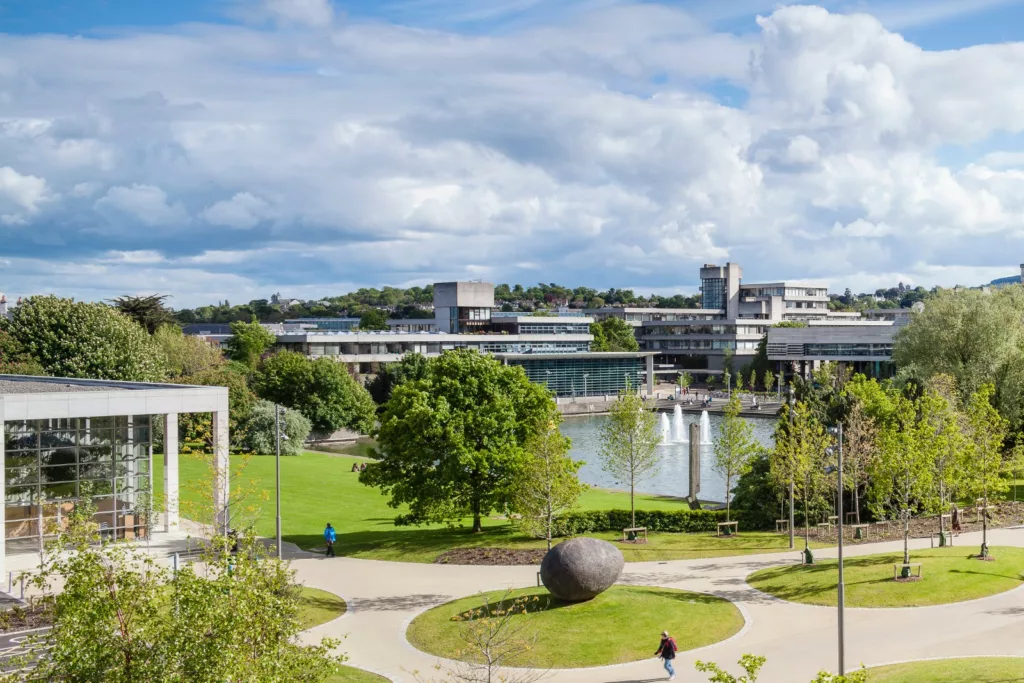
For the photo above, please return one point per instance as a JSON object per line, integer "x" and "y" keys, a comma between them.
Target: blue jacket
{"x": 329, "y": 534}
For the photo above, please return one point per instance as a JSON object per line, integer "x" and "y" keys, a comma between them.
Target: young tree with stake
{"x": 630, "y": 440}
{"x": 860, "y": 436}
{"x": 986, "y": 432}
{"x": 734, "y": 448}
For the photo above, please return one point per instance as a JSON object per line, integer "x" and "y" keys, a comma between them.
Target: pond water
{"x": 672, "y": 477}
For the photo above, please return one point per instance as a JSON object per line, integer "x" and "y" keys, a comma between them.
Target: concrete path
{"x": 798, "y": 640}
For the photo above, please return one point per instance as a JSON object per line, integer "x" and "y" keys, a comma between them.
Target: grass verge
{"x": 967, "y": 670}
{"x": 318, "y": 607}
{"x": 949, "y": 575}
{"x": 350, "y": 674}
{"x": 623, "y": 624}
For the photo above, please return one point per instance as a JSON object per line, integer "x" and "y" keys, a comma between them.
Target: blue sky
{"x": 228, "y": 148}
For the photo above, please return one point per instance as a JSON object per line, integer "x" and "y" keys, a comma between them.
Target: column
{"x": 3, "y": 503}
{"x": 221, "y": 466}
{"x": 650, "y": 375}
{"x": 171, "y": 510}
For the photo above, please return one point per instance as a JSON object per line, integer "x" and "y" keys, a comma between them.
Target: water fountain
{"x": 705, "y": 429}
{"x": 678, "y": 428}
{"x": 666, "y": 430}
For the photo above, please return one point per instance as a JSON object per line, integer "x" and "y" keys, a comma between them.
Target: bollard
{"x": 174, "y": 563}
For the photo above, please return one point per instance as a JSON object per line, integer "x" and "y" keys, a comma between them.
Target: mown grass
{"x": 623, "y": 624}
{"x": 949, "y": 575}
{"x": 350, "y": 674}
{"x": 968, "y": 670}
{"x": 318, "y": 607}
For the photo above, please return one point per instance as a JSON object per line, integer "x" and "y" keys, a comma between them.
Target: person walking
{"x": 667, "y": 652}
{"x": 955, "y": 519}
{"x": 329, "y": 538}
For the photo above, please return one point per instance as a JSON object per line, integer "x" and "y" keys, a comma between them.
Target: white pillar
{"x": 3, "y": 503}
{"x": 171, "y": 500}
{"x": 650, "y": 375}
{"x": 221, "y": 466}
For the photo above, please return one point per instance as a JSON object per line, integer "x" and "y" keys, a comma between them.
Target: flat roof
{"x": 579, "y": 355}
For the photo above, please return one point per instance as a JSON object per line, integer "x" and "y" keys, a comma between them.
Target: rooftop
{"x": 28, "y": 386}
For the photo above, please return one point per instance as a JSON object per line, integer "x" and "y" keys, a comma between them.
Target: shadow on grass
{"x": 398, "y": 603}
{"x": 404, "y": 541}
{"x": 328, "y": 603}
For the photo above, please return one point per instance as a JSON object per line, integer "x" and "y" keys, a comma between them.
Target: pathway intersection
{"x": 798, "y": 640}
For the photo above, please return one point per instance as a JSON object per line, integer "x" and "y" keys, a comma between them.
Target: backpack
{"x": 668, "y": 650}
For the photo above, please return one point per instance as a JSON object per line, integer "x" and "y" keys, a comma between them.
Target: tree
{"x": 942, "y": 432}
{"x": 796, "y": 460}
{"x": 198, "y": 427}
{"x": 321, "y": 389}
{"x": 613, "y": 334}
{"x": 452, "y": 443}
{"x": 76, "y": 339}
{"x": 261, "y": 430}
{"x": 373, "y": 319}
{"x": 860, "y": 435}
{"x": 629, "y": 443}
{"x": 685, "y": 379}
{"x": 121, "y": 616}
{"x": 769, "y": 381}
{"x": 734, "y": 448}
{"x": 412, "y": 366}
{"x": 750, "y": 664}
{"x": 739, "y": 382}
{"x": 547, "y": 485}
{"x": 185, "y": 355}
{"x": 147, "y": 311}
{"x": 14, "y": 360}
{"x": 248, "y": 342}
{"x": 986, "y": 432}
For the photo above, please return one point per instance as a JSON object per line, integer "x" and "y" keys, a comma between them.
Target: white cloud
{"x": 308, "y": 12}
{"x": 241, "y": 211}
{"x": 144, "y": 203}
{"x": 20, "y": 195}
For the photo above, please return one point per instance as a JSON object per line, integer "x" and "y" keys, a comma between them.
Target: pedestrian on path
{"x": 955, "y": 519}
{"x": 667, "y": 652}
{"x": 329, "y": 538}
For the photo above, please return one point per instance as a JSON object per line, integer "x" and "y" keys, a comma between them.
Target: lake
{"x": 672, "y": 478}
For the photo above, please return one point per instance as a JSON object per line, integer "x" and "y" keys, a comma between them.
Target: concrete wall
{"x": 463, "y": 295}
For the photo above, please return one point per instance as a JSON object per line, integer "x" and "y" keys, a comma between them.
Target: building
{"x": 65, "y": 436}
{"x": 332, "y": 324}
{"x": 866, "y": 347}
{"x": 585, "y": 374}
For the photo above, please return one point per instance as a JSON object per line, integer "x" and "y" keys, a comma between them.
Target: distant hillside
{"x": 1012, "y": 280}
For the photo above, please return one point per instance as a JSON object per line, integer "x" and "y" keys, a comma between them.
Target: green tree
{"x": 797, "y": 459}
{"x": 860, "y": 436}
{"x": 248, "y": 342}
{"x": 411, "y": 367}
{"x": 547, "y": 485}
{"x": 321, "y": 389}
{"x": 147, "y": 311}
{"x": 198, "y": 427}
{"x": 78, "y": 339}
{"x": 629, "y": 443}
{"x": 734, "y": 448}
{"x": 453, "y": 442}
{"x": 769, "y": 381}
{"x": 943, "y": 433}
{"x": 750, "y": 664}
{"x": 185, "y": 355}
{"x": 373, "y": 319}
{"x": 261, "y": 430}
{"x": 613, "y": 334}
{"x": 14, "y": 359}
{"x": 986, "y": 430}
{"x": 685, "y": 380}
{"x": 739, "y": 381}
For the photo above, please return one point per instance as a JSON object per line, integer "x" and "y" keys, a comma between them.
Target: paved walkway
{"x": 798, "y": 640}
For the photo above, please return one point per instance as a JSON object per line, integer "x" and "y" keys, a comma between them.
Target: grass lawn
{"x": 949, "y": 576}
{"x": 351, "y": 674}
{"x": 969, "y": 670}
{"x": 623, "y": 624}
{"x": 318, "y": 607}
{"x": 317, "y": 488}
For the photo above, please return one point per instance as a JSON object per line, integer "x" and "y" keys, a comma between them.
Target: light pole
{"x": 838, "y": 431}
{"x": 792, "y": 483}
{"x": 277, "y": 464}
{"x": 780, "y": 387}
{"x": 585, "y": 394}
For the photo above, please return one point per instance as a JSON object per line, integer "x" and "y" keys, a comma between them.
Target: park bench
{"x": 826, "y": 525}
{"x": 934, "y": 538}
{"x": 729, "y": 527}
{"x": 632, "y": 535}
{"x": 781, "y": 525}
{"x": 899, "y": 566}
{"x": 861, "y": 531}
{"x": 833, "y": 519}
{"x": 851, "y": 517}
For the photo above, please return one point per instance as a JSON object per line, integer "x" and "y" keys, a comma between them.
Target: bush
{"x": 672, "y": 521}
{"x": 260, "y": 430}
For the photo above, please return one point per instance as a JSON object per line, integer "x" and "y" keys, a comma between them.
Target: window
{"x": 713, "y": 293}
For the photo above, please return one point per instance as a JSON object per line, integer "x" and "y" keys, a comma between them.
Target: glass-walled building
{"x": 591, "y": 374}
{"x": 65, "y": 439}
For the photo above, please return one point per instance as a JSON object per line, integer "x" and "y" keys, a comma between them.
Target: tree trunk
{"x": 728, "y": 502}
{"x": 477, "y": 526}
{"x": 792, "y": 514}
{"x": 632, "y": 500}
{"x": 906, "y": 537}
{"x": 856, "y": 501}
{"x": 551, "y": 522}
{"x": 984, "y": 526}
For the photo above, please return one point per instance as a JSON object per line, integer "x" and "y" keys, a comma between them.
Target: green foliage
{"x": 684, "y": 380}
{"x": 583, "y": 522}
{"x": 800, "y": 442}
{"x": 185, "y": 355}
{"x": 121, "y": 617}
{"x": 412, "y": 366}
{"x": 734, "y": 448}
{"x": 547, "y": 486}
{"x": 147, "y": 311}
{"x": 321, "y": 389}
{"x": 613, "y": 334}
{"x": 751, "y": 664}
{"x": 629, "y": 442}
{"x": 197, "y": 427}
{"x": 452, "y": 443}
{"x": 757, "y": 495}
{"x": 790, "y": 323}
{"x": 373, "y": 319}
{"x": 261, "y": 431}
{"x": 76, "y": 339}
{"x": 14, "y": 359}
{"x": 248, "y": 342}
{"x": 769, "y": 380}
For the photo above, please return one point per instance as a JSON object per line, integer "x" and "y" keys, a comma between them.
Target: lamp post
{"x": 792, "y": 483}
{"x": 838, "y": 431}
{"x": 277, "y": 464}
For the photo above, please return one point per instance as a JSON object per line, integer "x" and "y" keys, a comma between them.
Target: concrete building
{"x": 65, "y": 436}
{"x": 866, "y": 347}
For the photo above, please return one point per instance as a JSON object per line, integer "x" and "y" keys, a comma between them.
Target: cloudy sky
{"x": 217, "y": 149}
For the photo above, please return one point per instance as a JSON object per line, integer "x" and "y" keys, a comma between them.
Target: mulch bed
{"x": 25, "y": 618}
{"x": 490, "y": 556}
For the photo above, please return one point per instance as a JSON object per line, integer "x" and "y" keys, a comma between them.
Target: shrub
{"x": 674, "y": 521}
{"x": 260, "y": 430}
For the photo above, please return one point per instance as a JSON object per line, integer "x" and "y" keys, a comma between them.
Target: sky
{"x": 228, "y": 149}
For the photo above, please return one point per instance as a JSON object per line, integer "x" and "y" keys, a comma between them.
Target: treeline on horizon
{"x": 415, "y": 302}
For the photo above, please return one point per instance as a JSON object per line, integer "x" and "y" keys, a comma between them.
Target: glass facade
{"x": 580, "y": 376}
{"x": 712, "y": 293}
{"x": 883, "y": 351}
{"x": 50, "y": 463}
{"x": 554, "y": 328}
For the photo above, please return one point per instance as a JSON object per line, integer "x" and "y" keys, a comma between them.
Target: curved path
{"x": 798, "y": 640}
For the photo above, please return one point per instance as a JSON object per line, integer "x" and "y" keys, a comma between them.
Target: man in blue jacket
{"x": 329, "y": 538}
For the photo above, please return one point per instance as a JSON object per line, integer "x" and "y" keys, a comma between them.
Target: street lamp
{"x": 838, "y": 432}
{"x": 277, "y": 463}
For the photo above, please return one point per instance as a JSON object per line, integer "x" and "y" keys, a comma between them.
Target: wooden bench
{"x": 781, "y": 525}
{"x": 898, "y": 567}
{"x": 635, "y": 531}
{"x": 833, "y": 519}
{"x": 861, "y": 531}
{"x": 730, "y": 528}
{"x": 827, "y": 525}
{"x": 851, "y": 517}
{"x": 983, "y": 509}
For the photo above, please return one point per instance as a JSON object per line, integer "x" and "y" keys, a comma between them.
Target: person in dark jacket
{"x": 667, "y": 652}
{"x": 329, "y": 538}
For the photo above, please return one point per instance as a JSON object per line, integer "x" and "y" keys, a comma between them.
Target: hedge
{"x": 678, "y": 521}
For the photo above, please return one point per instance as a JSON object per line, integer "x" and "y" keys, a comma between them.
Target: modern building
{"x": 866, "y": 347}
{"x": 585, "y": 374}
{"x": 64, "y": 438}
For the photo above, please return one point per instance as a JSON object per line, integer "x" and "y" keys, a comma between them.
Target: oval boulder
{"x": 581, "y": 568}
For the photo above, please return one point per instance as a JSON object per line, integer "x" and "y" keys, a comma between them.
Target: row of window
{"x": 707, "y": 329}
{"x": 705, "y": 344}
{"x": 530, "y": 328}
